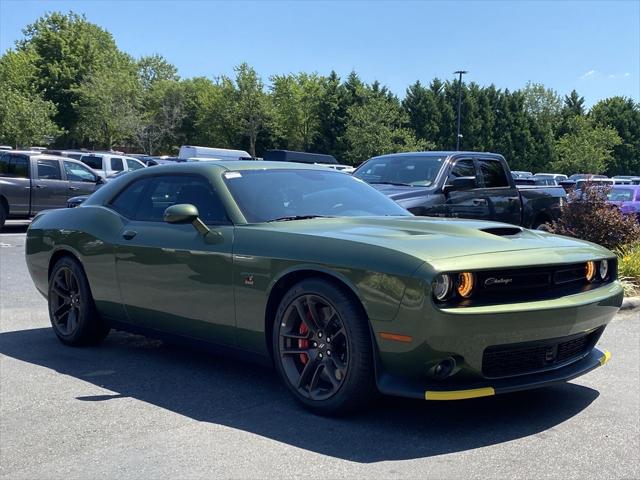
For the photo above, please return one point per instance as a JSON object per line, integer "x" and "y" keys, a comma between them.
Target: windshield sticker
{"x": 232, "y": 175}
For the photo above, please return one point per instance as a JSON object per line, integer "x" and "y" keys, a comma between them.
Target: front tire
{"x": 322, "y": 347}
{"x": 72, "y": 311}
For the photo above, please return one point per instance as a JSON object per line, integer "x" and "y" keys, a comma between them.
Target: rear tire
{"x": 3, "y": 213}
{"x": 72, "y": 310}
{"x": 322, "y": 348}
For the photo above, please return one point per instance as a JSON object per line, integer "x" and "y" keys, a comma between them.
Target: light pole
{"x": 458, "y": 135}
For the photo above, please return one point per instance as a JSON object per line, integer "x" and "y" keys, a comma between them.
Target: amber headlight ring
{"x": 465, "y": 284}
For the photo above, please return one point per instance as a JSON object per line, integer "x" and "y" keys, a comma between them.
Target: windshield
{"x": 620, "y": 195}
{"x": 287, "y": 194}
{"x": 419, "y": 171}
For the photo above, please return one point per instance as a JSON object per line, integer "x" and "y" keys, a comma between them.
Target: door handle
{"x": 129, "y": 234}
{"x": 480, "y": 201}
{"x": 41, "y": 186}
{"x": 73, "y": 188}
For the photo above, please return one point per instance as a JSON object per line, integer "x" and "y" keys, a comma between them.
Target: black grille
{"x": 523, "y": 358}
{"x": 512, "y": 285}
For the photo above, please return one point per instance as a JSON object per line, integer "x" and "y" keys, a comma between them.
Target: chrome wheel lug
{"x": 319, "y": 355}
{"x": 328, "y": 353}
{"x": 315, "y": 344}
{"x": 319, "y": 334}
{"x": 328, "y": 339}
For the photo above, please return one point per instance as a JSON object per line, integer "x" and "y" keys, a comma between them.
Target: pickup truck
{"x": 461, "y": 184}
{"x": 31, "y": 182}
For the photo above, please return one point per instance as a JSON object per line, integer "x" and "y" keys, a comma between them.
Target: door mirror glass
{"x": 460, "y": 183}
{"x": 181, "y": 213}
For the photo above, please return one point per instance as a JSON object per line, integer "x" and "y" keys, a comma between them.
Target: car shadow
{"x": 249, "y": 397}
{"x": 14, "y": 227}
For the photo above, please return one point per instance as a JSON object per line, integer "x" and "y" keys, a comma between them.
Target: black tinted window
{"x": 147, "y": 199}
{"x": 463, "y": 168}
{"x": 418, "y": 170}
{"x": 116, "y": 164}
{"x": 265, "y": 195}
{"x": 493, "y": 174}
{"x": 133, "y": 165}
{"x": 16, "y": 166}
{"x": 49, "y": 170}
{"x": 92, "y": 161}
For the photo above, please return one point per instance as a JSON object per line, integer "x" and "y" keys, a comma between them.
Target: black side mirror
{"x": 185, "y": 213}
{"x": 460, "y": 183}
{"x": 99, "y": 180}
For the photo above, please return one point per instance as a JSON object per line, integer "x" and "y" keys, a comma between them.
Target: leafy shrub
{"x": 629, "y": 268}
{"x": 588, "y": 216}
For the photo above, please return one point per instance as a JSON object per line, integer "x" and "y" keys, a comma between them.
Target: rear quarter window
{"x": 14, "y": 166}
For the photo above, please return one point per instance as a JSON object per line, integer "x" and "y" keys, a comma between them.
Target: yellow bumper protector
{"x": 459, "y": 394}
{"x": 605, "y": 358}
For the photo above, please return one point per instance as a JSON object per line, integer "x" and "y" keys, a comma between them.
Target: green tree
{"x": 68, "y": 49}
{"x": 163, "y": 110}
{"x": 252, "y": 105}
{"x": 26, "y": 121}
{"x": 623, "y": 114}
{"x": 376, "y": 127}
{"x": 588, "y": 149}
{"x": 155, "y": 68}
{"x": 544, "y": 105}
{"x": 296, "y": 101}
{"x": 107, "y": 108}
{"x": 332, "y": 117}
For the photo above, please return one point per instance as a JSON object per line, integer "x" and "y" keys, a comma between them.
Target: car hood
{"x": 401, "y": 192}
{"x": 431, "y": 239}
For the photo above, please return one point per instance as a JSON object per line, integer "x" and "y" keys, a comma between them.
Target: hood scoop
{"x": 502, "y": 231}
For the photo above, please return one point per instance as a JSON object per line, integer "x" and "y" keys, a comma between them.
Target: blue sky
{"x": 591, "y": 46}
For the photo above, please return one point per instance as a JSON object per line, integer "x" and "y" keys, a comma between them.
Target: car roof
{"x": 443, "y": 153}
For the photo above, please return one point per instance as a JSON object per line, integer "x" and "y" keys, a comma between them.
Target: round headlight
{"x": 466, "y": 282}
{"x": 442, "y": 286}
{"x": 604, "y": 269}
{"x": 590, "y": 271}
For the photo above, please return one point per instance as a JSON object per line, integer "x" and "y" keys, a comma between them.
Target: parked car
{"x": 153, "y": 161}
{"x": 108, "y": 164}
{"x": 31, "y": 182}
{"x": 307, "y": 157}
{"x": 461, "y": 184}
{"x": 521, "y": 174}
{"x": 344, "y": 290}
{"x": 558, "y": 177}
{"x": 627, "y": 198}
{"x": 75, "y": 154}
{"x": 193, "y": 153}
{"x": 544, "y": 180}
{"x": 6, "y": 147}
{"x": 584, "y": 176}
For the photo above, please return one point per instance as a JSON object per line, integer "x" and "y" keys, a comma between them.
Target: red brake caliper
{"x": 303, "y": 343}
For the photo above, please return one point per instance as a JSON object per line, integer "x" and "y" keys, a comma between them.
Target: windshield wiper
{"x": 392, "y": 183}
{"x": 297, "y": 217}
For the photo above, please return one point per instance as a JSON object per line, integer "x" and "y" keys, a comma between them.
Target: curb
{"x": 630, "y": 303}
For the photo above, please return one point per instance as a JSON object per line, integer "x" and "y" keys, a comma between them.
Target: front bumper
{"x": 391, "y": 385}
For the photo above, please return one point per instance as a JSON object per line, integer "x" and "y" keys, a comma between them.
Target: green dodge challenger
{"x": 343, "y": 289}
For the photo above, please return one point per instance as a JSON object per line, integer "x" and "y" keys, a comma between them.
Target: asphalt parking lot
{"x": 137, "y": 408}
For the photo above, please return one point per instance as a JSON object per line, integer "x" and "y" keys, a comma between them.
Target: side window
{"x": 171, "y": 190}
{"x": 128, "y": 200}
{"x": 49, "y": 170}
{"x": 116, "y": 164}
{"x": 15, "y": 166}
{"x": 133, "y": 165}
{"x": 93, "y": 161}
{"x": 78, "y": 173}
{"x": 493, "y": 174}
{"x": 463, "y": 168}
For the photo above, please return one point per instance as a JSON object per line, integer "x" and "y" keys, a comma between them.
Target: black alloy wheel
{"x": 72, "y": 311}
{"x": 313, "y": 347}
{"x": 322, "y": 347}
{"x": 66, "y": 301}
